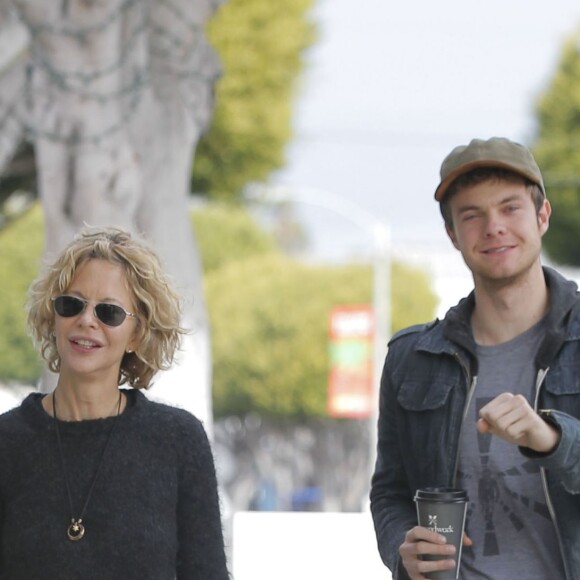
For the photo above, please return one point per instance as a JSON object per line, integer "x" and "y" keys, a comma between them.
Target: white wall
{"x": 11, "y": 397}
{"x": 305, "y": 546}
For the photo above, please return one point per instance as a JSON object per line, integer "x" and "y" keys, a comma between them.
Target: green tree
{"x": 227, "y": 233}
{"x": 20, "y": 253}
{"x": 269, "y": 313}
{"x": 269, "y": 319}
{"x": 557, "y": 150}
{"x": 260, "y": 43}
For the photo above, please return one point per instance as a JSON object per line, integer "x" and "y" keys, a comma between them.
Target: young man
{"x": 488, "y": 399}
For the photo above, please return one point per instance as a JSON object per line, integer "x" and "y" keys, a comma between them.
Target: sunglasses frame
{"x": 85, "y": 303}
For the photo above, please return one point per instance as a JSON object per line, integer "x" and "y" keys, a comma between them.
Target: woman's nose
{"x": 88, "y": 317}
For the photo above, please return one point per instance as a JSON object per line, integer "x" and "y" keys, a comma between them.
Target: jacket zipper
{"x": 471, "y": 382}
{"x": 539, "y": 382}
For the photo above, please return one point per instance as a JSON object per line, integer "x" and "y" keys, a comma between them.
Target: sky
{"x": 390, "y": 88}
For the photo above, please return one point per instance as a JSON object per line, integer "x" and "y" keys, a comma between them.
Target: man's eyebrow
{"x": 474, "y": 207}
{"x": 468, "y": 207}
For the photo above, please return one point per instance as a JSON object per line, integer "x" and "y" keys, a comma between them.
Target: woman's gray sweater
{"x": 153, "y": 513}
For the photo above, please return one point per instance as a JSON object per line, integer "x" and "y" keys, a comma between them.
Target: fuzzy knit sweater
{"x": 153, "y": 513}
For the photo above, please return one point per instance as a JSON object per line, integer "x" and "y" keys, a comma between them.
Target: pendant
{"x": 76, "y": 530}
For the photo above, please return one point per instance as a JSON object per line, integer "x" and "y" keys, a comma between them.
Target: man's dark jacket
{"x": 429, "y": 374}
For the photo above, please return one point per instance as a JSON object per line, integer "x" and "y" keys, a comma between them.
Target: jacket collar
{"x": 564, "y": 299}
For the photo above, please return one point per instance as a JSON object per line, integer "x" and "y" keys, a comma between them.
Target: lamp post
{"x": 381, "y": 242}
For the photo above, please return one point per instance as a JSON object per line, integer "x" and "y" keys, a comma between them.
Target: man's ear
{"x": 544, "y": 217}
{"x": 451, "y": 235}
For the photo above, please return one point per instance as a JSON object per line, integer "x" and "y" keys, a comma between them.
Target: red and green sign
{"x": 350, "y": 379}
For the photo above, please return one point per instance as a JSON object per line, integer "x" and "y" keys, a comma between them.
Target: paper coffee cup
{"x": 442, "y": 510}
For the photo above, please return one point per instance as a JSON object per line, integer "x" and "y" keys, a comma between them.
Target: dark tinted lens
{"x": 110, "y": 314}
{"x": 67, "y": 306}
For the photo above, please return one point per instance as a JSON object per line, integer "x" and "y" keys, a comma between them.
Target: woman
{"x": 98, "y": 482}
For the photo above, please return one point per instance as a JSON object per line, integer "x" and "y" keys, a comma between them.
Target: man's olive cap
{"x": 495, "y": 152}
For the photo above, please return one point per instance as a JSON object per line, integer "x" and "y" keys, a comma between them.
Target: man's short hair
{"x": 481, "y": 175}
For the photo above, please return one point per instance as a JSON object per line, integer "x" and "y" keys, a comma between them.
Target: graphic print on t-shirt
{"x": 507, "y": 519}
{"x": 496, "y": 491}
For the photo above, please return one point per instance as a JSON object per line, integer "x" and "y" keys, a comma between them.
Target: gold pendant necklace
{"x": 76, "y": 529}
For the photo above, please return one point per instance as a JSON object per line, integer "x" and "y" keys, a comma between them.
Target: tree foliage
{"x": 21, "y": 243}
{"x": 269, "y": 318}
{"x": 226, "y": 233}
{"x": 260, "y": 43}
{"x": 269, "y": 313}
{"x": 557, "y": 150}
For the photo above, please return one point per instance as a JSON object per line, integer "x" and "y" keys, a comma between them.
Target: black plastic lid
{"x": 446, "y": 494}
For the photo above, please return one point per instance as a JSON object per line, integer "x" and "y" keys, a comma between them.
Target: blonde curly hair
{"x": 158, "y": 306}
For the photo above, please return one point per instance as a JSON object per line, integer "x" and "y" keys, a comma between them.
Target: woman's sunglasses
{"x": 109, "y": 314}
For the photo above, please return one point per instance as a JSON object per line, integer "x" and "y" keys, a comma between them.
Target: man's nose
{"x": 494, "y": 225}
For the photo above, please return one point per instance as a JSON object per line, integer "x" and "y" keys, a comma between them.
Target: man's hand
{"x": 512, "y": 418}
{"x": 419, "y": 542}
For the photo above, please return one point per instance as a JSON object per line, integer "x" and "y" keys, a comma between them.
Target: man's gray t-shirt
{"x": 507, "y": 519}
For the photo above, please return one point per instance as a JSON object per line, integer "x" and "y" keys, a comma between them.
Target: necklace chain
{"x": 76, "y": 529}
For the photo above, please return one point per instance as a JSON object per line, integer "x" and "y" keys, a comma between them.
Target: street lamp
{"x": 381, "y": 242}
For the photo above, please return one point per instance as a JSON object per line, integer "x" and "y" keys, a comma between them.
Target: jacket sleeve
{"x": 564, "y": 460}
{"x": 201, "y": 554}
{"x": 391, "y": 499}
{"x": 1, "y": 528}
